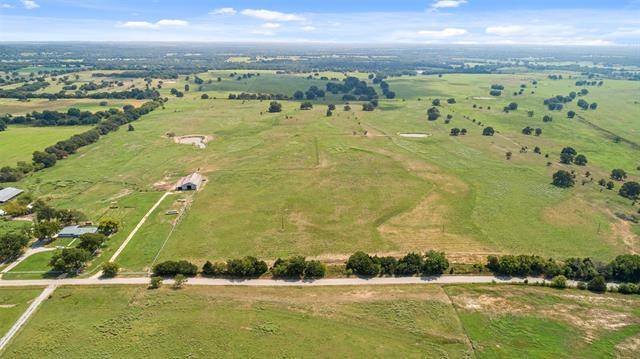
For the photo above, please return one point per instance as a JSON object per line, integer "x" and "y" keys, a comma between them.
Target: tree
{"x": 580, "y": 160}
{"x": 597, "y": 284}
{"x": 298, "y": 95}
{"x": 625, "y": 268}
{"x": 454, "y": 131}
{"x": 347, "y": 108}
{"x": 488, "y": 131}
{"x": 433, "y": 114}
{"x": 91, "y": 242}
{"x": 178, "y": 281}
{"x": 410, "y": 264}
{"x": 567, "y": 155}
{"x": 275, "y": 106}
{"x": 571, "y": 114}
{"x": 246, "y": 267}
{"x": 630, "y": 190}
{"x": 186, "y": 88}
{"x": 435, "y": 263}
{"x": 12, "y": 245}
{"x": 314, "y": 269}
{"x": 108, "y": 226}
{"x": 70, "y": 260}
{"x": 130, "y": 128}
{"x": 306, "y": 106}
{"x": 436, "y": 102}
{"x": 618, "y": 174}
{"x": 538, "y": 131}
{"x": 110, "y": 269}
{"x": 563, "y": 179}
{"x": 547, "y": 118}
{"x": 46, "y": 229}
{"x": 368, "y": 106}
{"x": 362, "y": 264}
{"x": 172, "y": 268}
{"x": 204, "y": 96}
{"x": 44, "y": 159}
{"x": 214, "y": 269}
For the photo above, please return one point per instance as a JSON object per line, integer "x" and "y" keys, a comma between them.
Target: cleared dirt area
{"x": 414, "y": 135}
{"x": 199, "y": 141}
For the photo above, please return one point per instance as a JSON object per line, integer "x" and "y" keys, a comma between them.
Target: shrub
{"x": 179, "y": 281}
{"x": 91, "y": 242}
{"x": 563, "y": 179}
{"x": 363, "y": 264}
{"x": 172, "y": 268}
{"x": 155, "y": 283}
{"x": 387, "y": 265}
{"x": 597, "y": 284}
{"x": 314, "y": 269}
{"x": 110, "y": 269}
{"x": 410, "y": 264}
{"x": 559, "y": 282}
{"x": 12, "y": 245}
{"x": 628, "y": 288}
{"x": 625, "y": 268}
{"x": 214, "y": 269}
{"x": 488, "y": 131}
{"x": 246, "y": 267}
{"x": 630, "y": 190}
{"x": 275, "y": 106}
{"x": 291, "y": 268}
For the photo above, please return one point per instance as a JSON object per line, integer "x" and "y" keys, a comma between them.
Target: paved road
{"x": 25, "y": 316}
{"x": 446, "y": 279}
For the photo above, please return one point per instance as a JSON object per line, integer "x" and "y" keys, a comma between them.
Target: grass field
{"x": 19, "y": 142}
{"x": 298, "y": 182}
{"x": 383, "y": 321}
{"x": 13, "y": 302}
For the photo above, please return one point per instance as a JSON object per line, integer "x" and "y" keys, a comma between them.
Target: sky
{"x": 522, "y": 22}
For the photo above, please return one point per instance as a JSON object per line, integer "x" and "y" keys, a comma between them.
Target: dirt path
{"x": 26, "y": 315}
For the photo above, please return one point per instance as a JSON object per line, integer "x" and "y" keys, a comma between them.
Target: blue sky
{"x": 586, "y": 22}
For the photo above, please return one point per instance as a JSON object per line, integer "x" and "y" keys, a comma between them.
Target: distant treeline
{"x": 158, "y": 74}
{"x": 72, "y": 117}
{"x": 50, "y": 155}
{"x": 127, "y": 94}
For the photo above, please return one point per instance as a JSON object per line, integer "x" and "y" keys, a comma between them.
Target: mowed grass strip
{"x": 408, "y": 321}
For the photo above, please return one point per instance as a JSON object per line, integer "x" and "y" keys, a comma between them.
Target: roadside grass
{"x": 19, "y": 142}
{"x": 407, "y": 321}
{"x": 13, "y": 302}
{"x": 535, "y": 322}
{"x": 35, "y": 266}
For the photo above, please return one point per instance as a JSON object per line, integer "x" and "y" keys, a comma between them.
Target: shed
{"x": 8, "y": 193}
{"x": 76, "y": 231}
{"x": 189, "y": 183}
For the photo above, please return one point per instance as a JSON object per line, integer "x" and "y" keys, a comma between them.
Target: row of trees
{"x": 431, "y": 263}
{"x": 126, "y": 94}
{"x": 72, "y": 117}
{"x": 624, "y": 268}
{"x": 49, "y": 157}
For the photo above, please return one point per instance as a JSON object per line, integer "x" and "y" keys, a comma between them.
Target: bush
{"x": 275, "y": 106}
{"x": 363, "y": 264}
{"x": 559, "y": 282}
{"x": 155, "y": 283}
{"x": 563, "y": 179}
{"x": 290, "y": 268}
{"x": 410, "y": 264}
{"x": 387, "y": 265}
{"x": 314, "y": 269}
{"x": 179, "y": 281}
{"x": 628, "y": 288}
{"x": 110, "y": 269}
{"x": 91, "y": 242}
{"x": 246, "y": 267}
{"x": 172, "y": 268}
{"x": 581, "y": 285}
{"x": 597, "y": 284}
{"x": 214, "y": 269}
{"x": 12, "y": 245}
{"x": 625, "y": 268}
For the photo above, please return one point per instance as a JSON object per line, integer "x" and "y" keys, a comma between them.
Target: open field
{"x": 298, "y": 182}
{"x": 19, "y": 142}
{"x": 484, "y": 321}
{"x": 13, "y": 302}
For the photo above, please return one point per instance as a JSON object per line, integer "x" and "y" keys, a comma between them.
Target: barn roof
{"x": 76, "y": 231}
{"x": 8, "y": 193}
{"x": 194, "y": 178}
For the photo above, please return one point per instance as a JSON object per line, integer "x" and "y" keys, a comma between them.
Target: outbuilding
{"x": 76, "y": 231}
{"x": 190, "y": 183}
{"x": 9, "y": 193}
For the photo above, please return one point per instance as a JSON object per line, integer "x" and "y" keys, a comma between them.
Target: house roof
{"x": 194, "y": 178}
{"x": 76, "y": 231}
{"x": 8, "y": 193}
